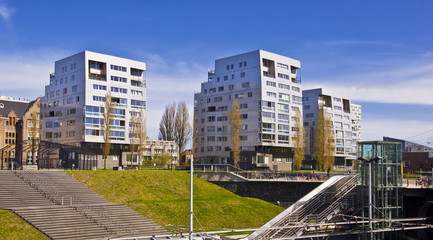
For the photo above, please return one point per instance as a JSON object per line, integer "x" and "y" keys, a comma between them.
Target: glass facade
{"x": 386, "y": 179}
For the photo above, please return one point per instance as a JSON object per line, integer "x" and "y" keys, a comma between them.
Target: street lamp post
{"x": 370, "y": 193}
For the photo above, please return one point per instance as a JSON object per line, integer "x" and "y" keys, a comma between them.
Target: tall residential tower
{"x": 268, "y": 89}
{"x": 345, "y": 118}
{"x": 72, "y": 108}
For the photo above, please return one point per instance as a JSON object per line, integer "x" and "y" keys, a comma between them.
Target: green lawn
{"x": 163, "y": 196}
{"x": 13, "y": 227}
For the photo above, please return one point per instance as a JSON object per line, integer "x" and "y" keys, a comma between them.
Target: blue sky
{"x": 378, "y": 52}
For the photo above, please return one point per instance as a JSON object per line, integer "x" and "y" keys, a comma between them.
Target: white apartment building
{"x": 73, "y": 104}
{"x": 268, "y": 89}
{"x": 345, "y": 119}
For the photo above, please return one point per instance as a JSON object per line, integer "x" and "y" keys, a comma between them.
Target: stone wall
{"x": 279, "y": 193}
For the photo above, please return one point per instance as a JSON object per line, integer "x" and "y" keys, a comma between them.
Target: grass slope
{"x": 13, "y": 227}
{"x": 163, "y": 196}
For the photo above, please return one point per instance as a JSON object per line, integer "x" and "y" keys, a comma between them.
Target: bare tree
{"x": 142, "y": 135}
{"x": 134, "y": 125}
{"x": 324, "y": 142}
{"x": 299, "y": 143}
{"x": 167, "y": 123}
{"x": 235, "y": 118}
{"x": 182, "y": 129}
{"x": 137, "y": 135}
{"x": 105, "y": 126}
{"x": 35, "y": 135}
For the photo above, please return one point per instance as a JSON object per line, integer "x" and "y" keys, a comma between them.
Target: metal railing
{"x": 58, "y": 199}
{"x": 333, "y": 195}
{"x": 219, "y": 168}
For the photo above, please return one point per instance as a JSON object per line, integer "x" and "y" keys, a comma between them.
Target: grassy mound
{"x": 13, "y": 227}
{"x": 163, "y": 196}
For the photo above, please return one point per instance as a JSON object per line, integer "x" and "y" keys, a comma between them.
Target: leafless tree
{"x": 299, "y": 141}
{"x": 137, "y": 135}
{"x": 35, "y": 135}
{"x": 105, "y": 126}
{"x": 324, "y": 142}
{"x": 235, "y": 128}
{"x": 183, "y": 130}
{"x": 167, "y": 123}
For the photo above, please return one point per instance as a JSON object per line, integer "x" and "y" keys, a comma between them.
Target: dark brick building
{"x": 414, "y": 161}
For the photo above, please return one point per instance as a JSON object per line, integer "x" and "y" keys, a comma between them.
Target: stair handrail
{"x": 299, "y": 214}
{"x": 341, "y": 193}
{"x": 76, "y": 198}
{"x": 100, "y": 214}
{"x": 304, "y": 211}
{"x": 347, "y": 188}
{"x": 44, "y": 184}
{"x": 227, "y": 166}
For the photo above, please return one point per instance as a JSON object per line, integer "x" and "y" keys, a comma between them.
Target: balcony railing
{"x": 296, "y": 80}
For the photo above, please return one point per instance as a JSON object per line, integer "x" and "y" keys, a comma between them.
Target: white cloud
{"x": 407, "y": 84}
{"x": 24, "y": 74}
{"x": 375, "y": 129}
{"x": 358, "y": 42}
{"x": 6, "y": 12}
{"x": 169, "y": 82}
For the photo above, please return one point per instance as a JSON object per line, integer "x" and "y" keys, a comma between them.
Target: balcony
{"x": 118, "y": 116}
{"x": 97, "y": 77}
{"x": 268, "y": 108}
{"x": 93, "y": 114}
{"x": 136, "y": 78}
{"x": 297, "y": 80}
{"x": 268, "y": 130}
{"x": 119, "y": 105}
{"x": 96, "y": 71}
{"x": 267, "y": 74}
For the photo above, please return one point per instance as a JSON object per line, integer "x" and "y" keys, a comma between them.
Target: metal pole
{"x": 191, "y": 198}
{"x": 171, "y": 160}
{"x": 370, "y": 202}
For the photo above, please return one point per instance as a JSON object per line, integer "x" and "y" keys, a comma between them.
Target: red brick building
{"x": 414, "y": 161}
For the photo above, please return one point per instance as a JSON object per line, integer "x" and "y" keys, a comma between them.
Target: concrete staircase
{"x": 37, "y": 198}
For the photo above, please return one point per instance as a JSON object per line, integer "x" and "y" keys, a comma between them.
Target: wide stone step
{"x": 65, "y": 222}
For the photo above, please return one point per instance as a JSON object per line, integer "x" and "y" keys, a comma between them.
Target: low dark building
{"x": 416, "y": 161}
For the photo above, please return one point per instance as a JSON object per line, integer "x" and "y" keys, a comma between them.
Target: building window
{"x": 243, "y": 105}
{"x": 296, "y": 89}
{"x": 242, "y": 74}
{"x": 118, "y": 79}
{"x": 119, "y": 90}
{"x": 283, "y": 76}
{"x": 118, "y": 68}
{"x": 271, "y": 94}
{"x": 283, "y": 86}
{"x": 271, "y": 84}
